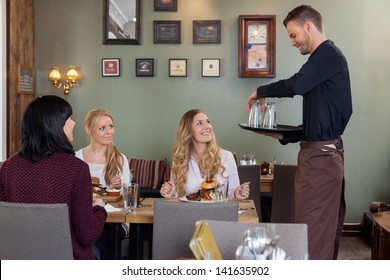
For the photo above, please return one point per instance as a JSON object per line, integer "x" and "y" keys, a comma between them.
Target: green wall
{"x": 147, "y": 110}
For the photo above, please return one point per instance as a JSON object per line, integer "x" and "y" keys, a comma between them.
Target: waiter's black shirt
{"x": 324, "y": 83}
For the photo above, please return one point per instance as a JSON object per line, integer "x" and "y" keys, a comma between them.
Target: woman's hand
{"x": 167, "y": 190}
{"x": 98, "y": 202}
{"x": 242, "y": 192}
{"x": 116, "y": 182}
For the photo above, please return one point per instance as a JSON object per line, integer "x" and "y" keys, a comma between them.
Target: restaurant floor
{"x": 354, "y": 248}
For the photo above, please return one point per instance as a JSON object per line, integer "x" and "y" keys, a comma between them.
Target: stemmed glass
{"x": 254, "y": 243}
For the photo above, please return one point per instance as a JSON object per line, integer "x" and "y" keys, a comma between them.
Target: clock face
{"x": 257, "y": 33}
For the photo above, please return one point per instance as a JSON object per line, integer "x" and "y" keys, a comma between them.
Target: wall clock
{"x": 256, "y": 46}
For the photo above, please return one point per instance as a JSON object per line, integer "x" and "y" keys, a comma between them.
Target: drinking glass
{"x": 130, "y": 196}
{"x": 269, "y": 120}
{"x": 221, "y": 193}
{"x": 255, "y": 115}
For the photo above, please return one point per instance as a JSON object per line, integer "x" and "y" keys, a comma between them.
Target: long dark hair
{"x": 43, "y": 128}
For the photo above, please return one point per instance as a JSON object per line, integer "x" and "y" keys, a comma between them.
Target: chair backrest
{"x": 251, "y": 173}
{"x": 228, "y": 236}
{"x": 283, "y": 194}
{"x": 34, "y": 232}
{"x": 174, "y": 224}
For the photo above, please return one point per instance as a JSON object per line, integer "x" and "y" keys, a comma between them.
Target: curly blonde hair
{"x": 209, "y": 163}
{"x": 114, "y": 159}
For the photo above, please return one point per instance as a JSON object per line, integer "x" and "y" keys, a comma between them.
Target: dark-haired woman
{"x": 46, "y": 171}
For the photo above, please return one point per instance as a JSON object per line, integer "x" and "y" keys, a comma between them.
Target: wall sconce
{"x": 70, "y": 82}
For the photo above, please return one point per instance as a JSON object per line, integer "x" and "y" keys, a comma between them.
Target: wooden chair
{"x": 282, "y": 210}
{"x": 34, "y": 232}
{"x": 174, "y": 224}
{"x": 228, "y": 236}
{"x": 251, "y": 173}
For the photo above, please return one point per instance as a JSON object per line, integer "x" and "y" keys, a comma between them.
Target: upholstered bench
{"x": 150, "y": 175}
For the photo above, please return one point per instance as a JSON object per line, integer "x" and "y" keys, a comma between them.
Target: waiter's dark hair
{"x": 43, "y": 128}
{"x": 303, "y": 13}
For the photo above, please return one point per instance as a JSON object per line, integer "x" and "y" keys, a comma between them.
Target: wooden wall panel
{"x": 20, "y": 51}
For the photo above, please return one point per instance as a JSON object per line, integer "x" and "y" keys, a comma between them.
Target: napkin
{"x": 109, "y": 208}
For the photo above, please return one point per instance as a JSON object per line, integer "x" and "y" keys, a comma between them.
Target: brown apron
{"x": 319, "y": 196}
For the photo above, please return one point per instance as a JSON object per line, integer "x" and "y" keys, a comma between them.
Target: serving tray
{"x": 280, "y": 128}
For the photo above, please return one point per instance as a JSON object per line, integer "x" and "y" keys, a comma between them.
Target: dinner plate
{"x": 280, "y": 128}
{"x": 183, "y": 198}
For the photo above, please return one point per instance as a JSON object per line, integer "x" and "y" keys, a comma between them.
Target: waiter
{"x": 323, "y": 82}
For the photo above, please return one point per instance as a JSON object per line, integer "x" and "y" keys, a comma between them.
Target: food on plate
{"x": 95, "y": 181}
{"x": 113, "y": 192}
{"x": 206, "y": 193}
{"x": 97, "y": 188}
{"x": 194, "y": 196}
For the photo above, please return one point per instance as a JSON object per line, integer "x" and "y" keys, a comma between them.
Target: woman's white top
{"x": 229, "y": 177}
{"x": 96, "y": 170}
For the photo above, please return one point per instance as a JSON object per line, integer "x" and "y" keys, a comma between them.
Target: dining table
{"x": 142, "y": 219}
{"x": 380, "y": 242}
{"x": 266, "y": 183}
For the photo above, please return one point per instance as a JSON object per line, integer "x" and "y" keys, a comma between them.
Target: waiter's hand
{"x": 278, "y": 136}
{"x": 253, "y": 97}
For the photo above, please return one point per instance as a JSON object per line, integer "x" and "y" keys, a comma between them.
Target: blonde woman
{"x": 197, "y": 157}
{"x": 105, "y": 162}
{"x": 104, "y": 159}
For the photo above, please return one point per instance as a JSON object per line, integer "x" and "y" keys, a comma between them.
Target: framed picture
{"x": 110, "y": 67}
{"x": 257, "y": 46}
{"x": 211, "y": 67}
{"x": 122, "y": 22}
{"x": 165, "y": 5}
{"x": 177, "y": 67}
{"x": 25, "y": 79}
{"x": 206, "y": 32}
{"x": 144, "y": 67}
{"x": 167, "y": 32}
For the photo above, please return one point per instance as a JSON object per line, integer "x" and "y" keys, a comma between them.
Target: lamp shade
{"x": 72, "y": 74}
{"x": 55, "y": 74}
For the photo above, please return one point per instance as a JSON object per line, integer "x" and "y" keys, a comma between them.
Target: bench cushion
{"x": 148, "y": 173}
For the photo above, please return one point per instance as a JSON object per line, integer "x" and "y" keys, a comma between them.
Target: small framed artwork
{"x": 206, "y": 32}
{"x": 257, "y": 37}
{"x": 110, "y": 67}
{"x": 25, "y": 79}
{"x": 167, "y": 32}
{"x": 144, "y": 67}
{"x": 211, "y": 67}
{"x": 165, "y": 5}
{"x": 177, "y": 67}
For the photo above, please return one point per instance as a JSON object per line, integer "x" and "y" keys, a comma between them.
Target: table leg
{"x": 150, "y": 241}
{"x": 374, "y": 242}
{"x": 110, "y": 242}
{"x": 117, "y": 241}
{"x": 136, "y": 243}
